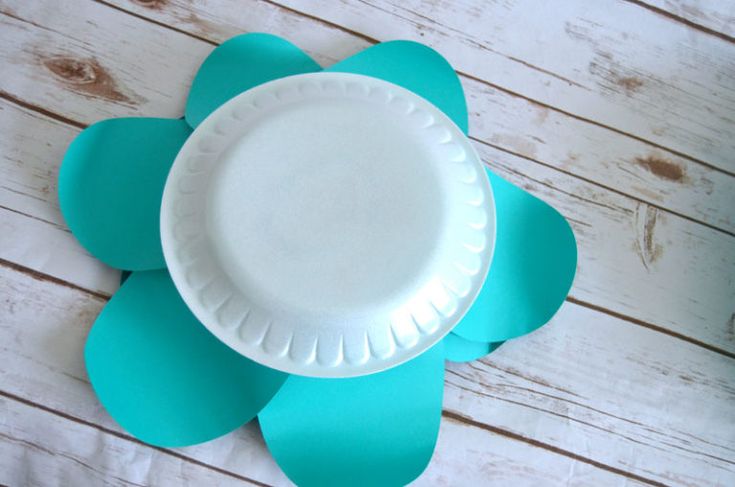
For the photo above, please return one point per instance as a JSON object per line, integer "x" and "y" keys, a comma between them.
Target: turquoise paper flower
{"x": 169, "y": 382}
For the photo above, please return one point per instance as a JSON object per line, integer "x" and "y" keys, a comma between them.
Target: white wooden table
{"x": 620, "y": 113}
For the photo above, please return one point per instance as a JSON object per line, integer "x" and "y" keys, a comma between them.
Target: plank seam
{"x": 27, "y": 215}
{"x": 468, "y": 76}
{"x": 650, "y": 326}
{"x": 588, "y": 424}
{"x": 35, "y": 108}
{"x": 131, "y": 439}
{"x": 461, "y": 73}
{"x": 60, "y": 118}
{"x": 513, "y": 93}
{"x": 452, "y": 415}
{"x": 40, "y": 276}
{"x": 600, "y": 185}
{"x": 682, "y": 20}
{"x": 156, "y": 22}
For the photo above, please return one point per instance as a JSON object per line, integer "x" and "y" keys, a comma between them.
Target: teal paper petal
{"x": 532, "y": 269}
{"x": 458, "y": 349}
{"x": 162, "y": 375}
{"x": 239, "y": 64}
{"x": 110, "y": 187}
{"x": 416, "y": 67}
{"x": 375, "y": 430}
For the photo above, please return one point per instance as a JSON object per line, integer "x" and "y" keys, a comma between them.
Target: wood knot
{"x": 661, "y": 168}
{"x": 74, "y": 71}
{"x": 629, "y": 83}
{"x": 86, "y": 77}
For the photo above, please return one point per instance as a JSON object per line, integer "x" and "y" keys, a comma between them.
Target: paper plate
{"x": 328, "y": 224}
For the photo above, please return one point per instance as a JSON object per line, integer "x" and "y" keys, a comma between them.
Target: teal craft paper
{"x": 531, "y": 272}
{"x": 110, "y": 187}
{"x": 458, "y": 349}
{"x": 535, "y": 252}
{"x": 415, "y": 67}
{"x": 239, "y": 64}
{"x": 169, "y": 382}
{"x": 375, "y": 430}
{"x": 162, "y": 375}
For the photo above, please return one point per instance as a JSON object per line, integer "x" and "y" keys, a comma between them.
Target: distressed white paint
{"x": 717, "y": 15}
{"x": 612, "y": 62}
{"x": 45, "y": 365}
{"x": 40, "y": 448}
{"x": 622, "y": 163}
{"x": 617, "y": 267}
{"x": 612, "y": 392}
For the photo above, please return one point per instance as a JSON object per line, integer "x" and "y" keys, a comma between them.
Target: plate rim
{"x": 170, "y": 222}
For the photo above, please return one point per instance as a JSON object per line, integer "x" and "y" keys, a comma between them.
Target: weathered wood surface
{"x": 40, "y": 448}
{"x": 632, "y": 383}
{"x": 714, "y": 17}
{"x": 509, "y": 122}
{"x": 558, "y": 377}
{"x": 628, "y": 248}
{"x": 45, "y": 367}
{"x": 614, "y": 63}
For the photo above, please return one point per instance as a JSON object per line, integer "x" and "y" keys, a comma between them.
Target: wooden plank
{"x": 472, "y": 456}
{"x": 45, "y": 366}
{"x": 612, "y": 63}
{"x": 83, "y": 62}
{"x": 51, "y": 250}
{"x": 32, "y": 231}
{"x": 716, "y": 16}
{"x": 658, "y": 177}
{"x": 633, "y": 257}
{"x": 500, "y": 405}
{"x": 621, "y": 394}
{"x": 39, "y": 448}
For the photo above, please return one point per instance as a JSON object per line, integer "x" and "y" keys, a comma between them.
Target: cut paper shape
{"x": 375, "y": 430}
{"x": 458, "y": 349}
{"x": 110, "y": 187}
{"x": 524, "y": 288}
{"x": 239, "y": 64}
{"x": 171, "y": 383}
{"x": 415, "y": 67}
{"x": 162, "y": 375}
{"x": 531, "y": 272}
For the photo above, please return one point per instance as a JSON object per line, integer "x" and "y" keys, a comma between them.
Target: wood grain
{"x": 632, "y": 382}
{"x": 635, "y": 259}
{"x": 716, "y": 17}
{"x": 510, "y": 122}
{"x": 622, "y": 243}
{"x": 32, "y": 231}
{"x": 54, "y": 377}
{"x": 40, "y": 448}
{"x": 612, "y": 391}
{"x": 612, "y": 63}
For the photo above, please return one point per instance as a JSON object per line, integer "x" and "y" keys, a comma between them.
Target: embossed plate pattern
{"x": 328, "y": 224}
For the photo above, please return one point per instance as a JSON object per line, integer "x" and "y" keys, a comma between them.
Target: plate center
{"x": 327, "y": 205}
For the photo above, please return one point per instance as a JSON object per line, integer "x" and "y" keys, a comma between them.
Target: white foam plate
{"x": 328, "y": 224}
